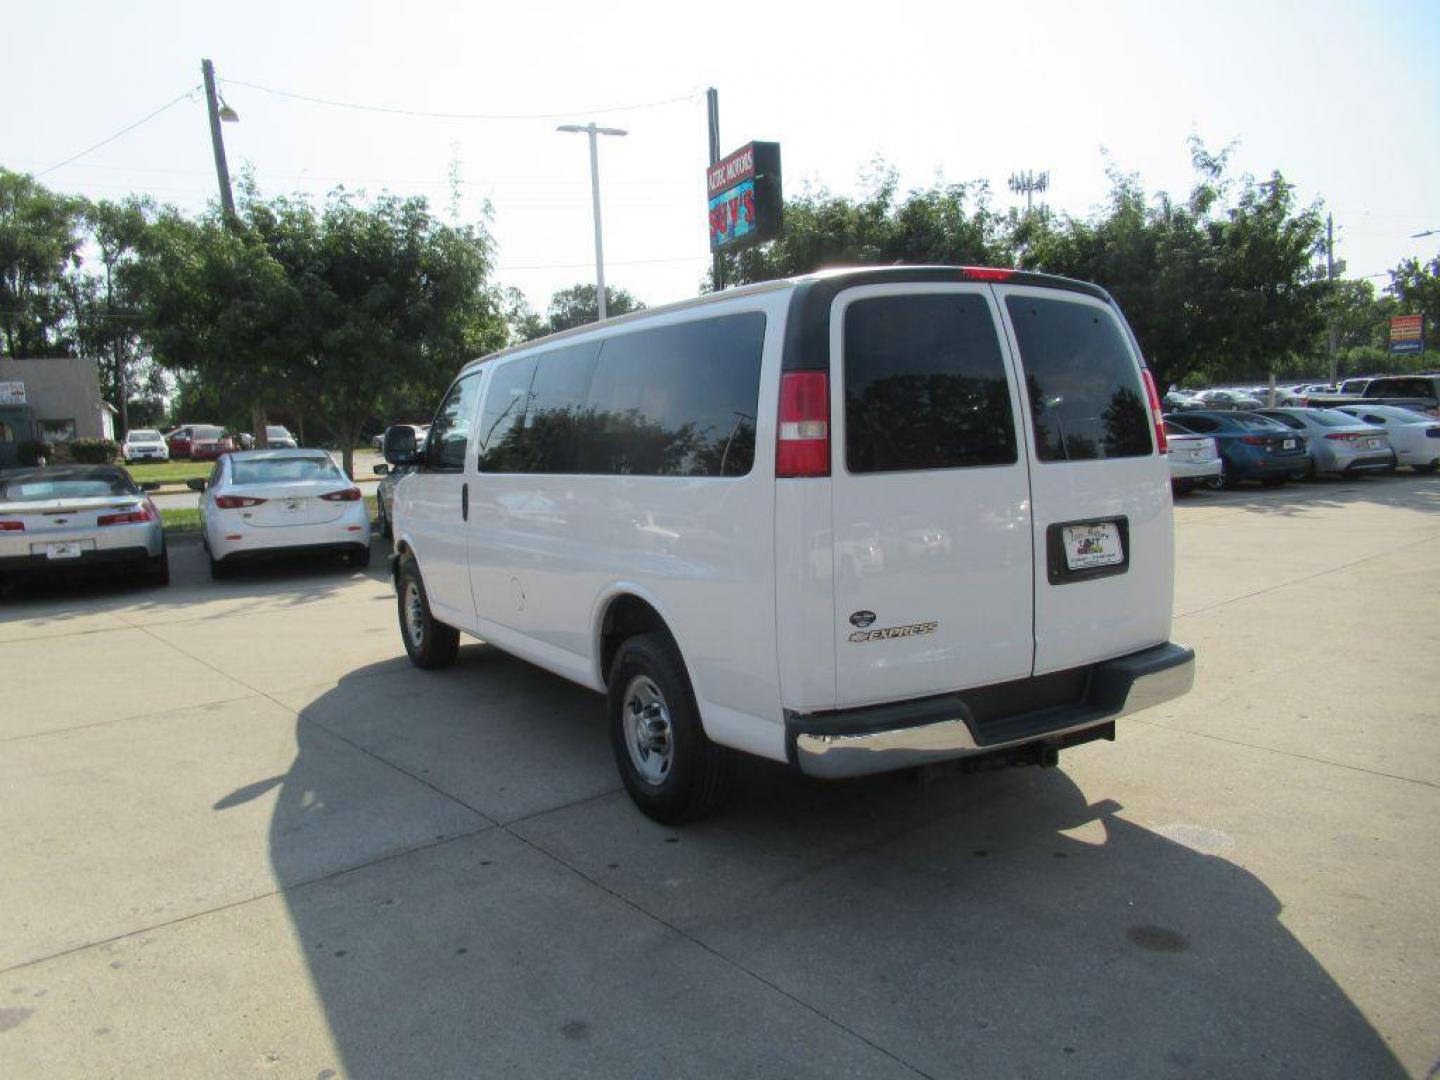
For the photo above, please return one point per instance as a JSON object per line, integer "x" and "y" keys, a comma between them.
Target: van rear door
{"x": 933, "y": 559}
{"x": 1104, "y": 551}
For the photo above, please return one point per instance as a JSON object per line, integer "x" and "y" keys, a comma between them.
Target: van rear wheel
{"x": 672, "y": 771}
{"x": 430, "y": 644}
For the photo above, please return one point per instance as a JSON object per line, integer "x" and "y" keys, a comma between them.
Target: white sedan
{"x": 1194, "y": 460}
{"x": 263, "y": 502}
{"x": 1414, "y": 436}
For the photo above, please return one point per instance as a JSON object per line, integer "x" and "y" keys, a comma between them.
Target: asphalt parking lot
{"x": 241, "y": 836}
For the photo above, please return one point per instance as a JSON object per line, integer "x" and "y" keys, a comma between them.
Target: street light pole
{"x": 222, "y": 171}
{"x": 591, "y": 130}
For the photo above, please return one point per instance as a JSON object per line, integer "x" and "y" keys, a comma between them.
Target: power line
{"x": 608, "y": 262}
{"x": 396, "y": 111}
{"x": 123, "y": 131}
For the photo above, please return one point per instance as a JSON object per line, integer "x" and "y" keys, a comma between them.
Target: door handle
{"x": 464, "y": 502}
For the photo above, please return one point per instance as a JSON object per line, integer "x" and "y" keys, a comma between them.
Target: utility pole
{"x": 1027, "y": 183}
{"x": 712, "y": 109}
{"x": 1330, "y": 274}
{"x": 591, "y": 130}
{"x": 222, "y": 171}
{"x": 258, "y": 418}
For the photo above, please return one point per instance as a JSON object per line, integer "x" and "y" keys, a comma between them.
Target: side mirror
{"x": 382, "y": 470}
{"x": 149, "y": 485}
{"x": 400, "y": 448}
{"x": 196, "y": 484}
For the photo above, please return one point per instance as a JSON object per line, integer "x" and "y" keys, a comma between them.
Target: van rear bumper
{"x": 1063, "y": 708}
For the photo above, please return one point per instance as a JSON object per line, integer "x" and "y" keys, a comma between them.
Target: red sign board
{"x": 730, "y": 171}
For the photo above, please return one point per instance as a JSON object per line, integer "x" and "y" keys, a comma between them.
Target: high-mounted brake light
{"x": 12, "y": 526}
{"x": 236, "y": 502}
{"x": 129, "y": 517}
{"x": 802, "y": 438}
{"x": 1152, "y": 397}
{"x": 987, "y": 273}
{"x": 348, "y": 495}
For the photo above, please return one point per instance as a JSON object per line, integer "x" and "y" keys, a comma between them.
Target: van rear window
{"x": 925, "y": 385}
{"x": 1083, "y": 383}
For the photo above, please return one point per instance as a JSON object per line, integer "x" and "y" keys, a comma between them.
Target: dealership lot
{"x": 241, "y": 835}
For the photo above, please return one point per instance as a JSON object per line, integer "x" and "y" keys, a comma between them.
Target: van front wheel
{"x": 672, "y": 771}
{"x": 429, "y": 642}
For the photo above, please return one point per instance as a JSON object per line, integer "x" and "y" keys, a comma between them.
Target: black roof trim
{"x": 807, "y": 330}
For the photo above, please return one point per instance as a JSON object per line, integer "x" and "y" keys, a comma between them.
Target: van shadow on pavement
{"x": 998, "y": 924}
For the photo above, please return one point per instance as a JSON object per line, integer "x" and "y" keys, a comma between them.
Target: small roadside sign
{"x": 1407, "y": 334}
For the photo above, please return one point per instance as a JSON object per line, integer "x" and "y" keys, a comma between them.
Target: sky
{"x": 1344, "y": 99}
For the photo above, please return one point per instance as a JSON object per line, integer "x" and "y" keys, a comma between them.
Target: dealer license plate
{"x": 62, "y": 551}
{"x": 1373, "y": 444}
{"x": 1088, "y": 546}
{"x": 293, "y": 505}
{"x": 1289, "y": 444}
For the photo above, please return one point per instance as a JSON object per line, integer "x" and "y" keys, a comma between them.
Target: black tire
{"x": 219, "y": 570}
{"x": 359, "y": 557}
{"x": 672, "y": 771}
{"x": 386, "y": 529}
{"x": 1228, "y": 480}
{"x": 430, "y": 643}
{"x": 1273, "y": 481}
{"x": 1427, "y": 468}
{"x": 157, "y": 571}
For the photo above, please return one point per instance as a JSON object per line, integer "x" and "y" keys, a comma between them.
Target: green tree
{"x": 579, "y": 304}
{"x": 104, "y": 306}
{"x": 1214, "y": 285}
{"x": 337, "y": 312}
{"x": 40, "y": 240}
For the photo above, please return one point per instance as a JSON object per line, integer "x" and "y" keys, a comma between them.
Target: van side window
{"x": 450, "y": 431}
{"x": 925, "y": 385}
{"x": 548, "y": 440}
{"x": 1085, "y": 395}
{"x": 678, "y": 400}
{"x": 500, "y": 421}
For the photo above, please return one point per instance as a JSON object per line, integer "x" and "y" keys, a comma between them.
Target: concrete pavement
{"x": 241, "y": 835}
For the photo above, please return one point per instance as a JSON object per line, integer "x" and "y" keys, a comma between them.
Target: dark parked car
{"x": 1252, "y": 447}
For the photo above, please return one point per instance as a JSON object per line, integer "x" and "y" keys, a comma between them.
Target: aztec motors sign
{"x": 745, "y": 196}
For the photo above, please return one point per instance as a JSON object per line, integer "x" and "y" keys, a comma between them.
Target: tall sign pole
{"x": 712, "y": 109}
{"x": 222, "y": 171}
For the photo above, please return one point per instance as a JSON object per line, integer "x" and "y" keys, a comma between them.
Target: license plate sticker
{"x": 1089, "y": 546}
{"x": 1289, "y": 444}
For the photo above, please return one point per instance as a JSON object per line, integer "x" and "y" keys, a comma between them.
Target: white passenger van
{"x": 856, "y": 521}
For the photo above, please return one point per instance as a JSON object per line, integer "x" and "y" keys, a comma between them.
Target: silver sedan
{"x": 1339, "y": 443}
{"x": 70, "y": 517}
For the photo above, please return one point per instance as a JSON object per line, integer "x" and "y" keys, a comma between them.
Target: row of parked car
{"x": 1222, "y": 447}
{"x": 254, "y": 504}
{"x": 198, "y": 442}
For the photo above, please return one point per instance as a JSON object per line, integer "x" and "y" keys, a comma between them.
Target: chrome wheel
{"x": 648, "y": 734}
{"x": 414, "y": 614}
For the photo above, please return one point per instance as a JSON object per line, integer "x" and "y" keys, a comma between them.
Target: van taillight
{"x": 802, "y": 440}
{"x": 1152, "y": 396}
